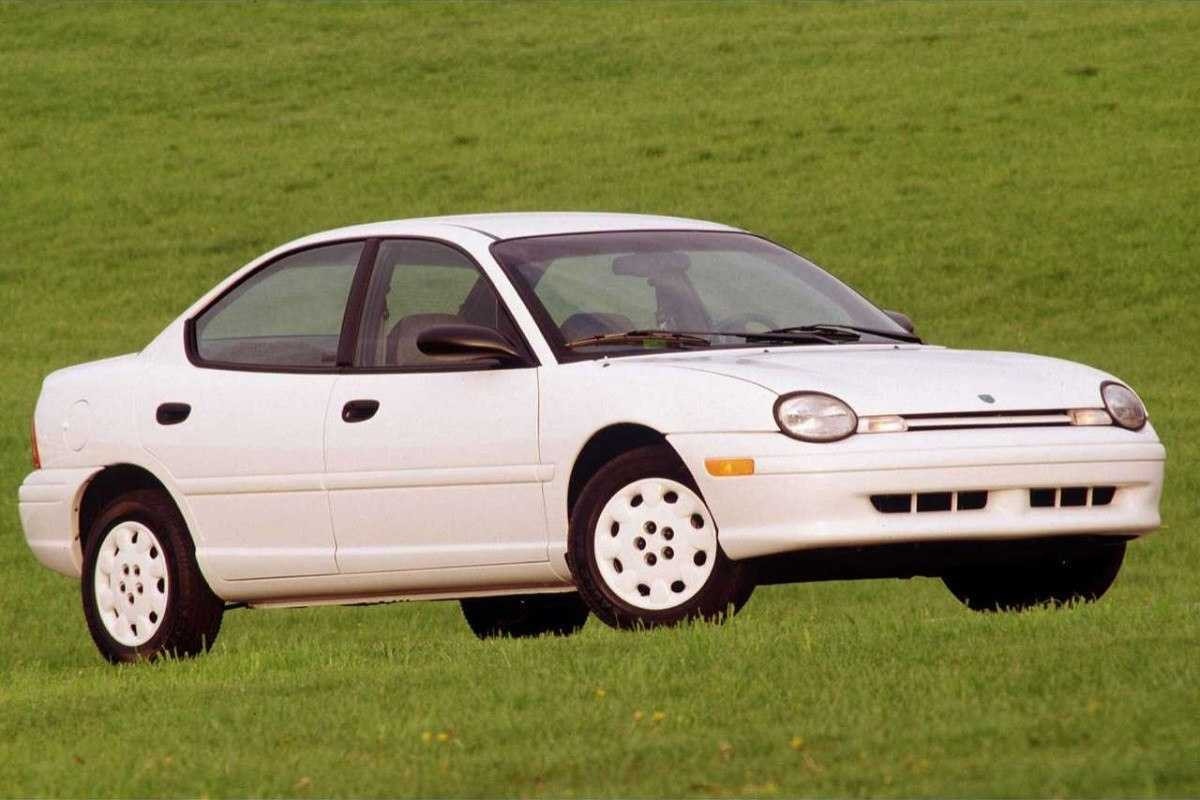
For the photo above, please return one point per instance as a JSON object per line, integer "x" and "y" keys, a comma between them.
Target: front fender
{"x": 579, "y": 399}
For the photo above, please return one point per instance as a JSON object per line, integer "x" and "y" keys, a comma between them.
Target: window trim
{"x": 352, "y": 317}
{"x": 355, "y": 301}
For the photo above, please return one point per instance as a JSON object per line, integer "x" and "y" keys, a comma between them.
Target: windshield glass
{"x": 722, "y": 285}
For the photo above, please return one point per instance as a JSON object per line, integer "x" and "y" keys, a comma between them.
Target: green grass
{"x": 1014, "y": 176}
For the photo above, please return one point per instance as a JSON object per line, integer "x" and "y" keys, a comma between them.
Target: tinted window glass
{"x": 288, "y": 314}
{"x": 733, "y": 284}
{"x": 417, "y": 285}
{"x": 579, "y": 287}
{"x": 724, "y": 286}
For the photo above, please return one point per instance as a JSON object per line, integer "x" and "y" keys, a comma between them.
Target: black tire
{"x": 1083, "y": 577}
{"x": 523, "y": 616}
{"x": 192, "y": 615}
{"x": 726, "y": 590}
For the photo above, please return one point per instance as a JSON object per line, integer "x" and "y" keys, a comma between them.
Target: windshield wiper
{"x": 698, "y": 338}
{"x": 667, "y": 338}
{"x": 788, "y": 335}
{"x": 848, "y": 332}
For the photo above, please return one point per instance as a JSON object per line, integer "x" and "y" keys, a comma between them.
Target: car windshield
{"x": 597, "y": 293}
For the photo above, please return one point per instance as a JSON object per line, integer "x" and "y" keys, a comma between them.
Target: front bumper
{"x": 48, "y": 502}
{"x": 806, "y": 495}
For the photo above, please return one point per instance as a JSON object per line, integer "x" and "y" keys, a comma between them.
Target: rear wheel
{"x": 143, "y": 595}
{"x": 521, "y": 616}
{"x": 643, "y": 546}
{"x": 1083, "y": 577}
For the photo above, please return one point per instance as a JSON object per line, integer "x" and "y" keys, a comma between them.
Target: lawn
{"x": 1013, "y": 176}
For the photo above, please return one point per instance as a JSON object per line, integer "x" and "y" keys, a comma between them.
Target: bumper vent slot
{"x": 892, "y": 503}
{"x": 923, "y": 502}
{"x": 1042, "y": 498}
{"x": 1072, "y": 497}
{"x": 972, "y": 501}
{"x": 934, "y": 501}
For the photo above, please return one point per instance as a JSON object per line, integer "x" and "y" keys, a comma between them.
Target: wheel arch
{"x": 606, "y": 444}
{"x": 106, "y": 485}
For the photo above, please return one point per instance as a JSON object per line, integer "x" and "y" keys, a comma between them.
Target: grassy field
{"x": 1014, "y": 176}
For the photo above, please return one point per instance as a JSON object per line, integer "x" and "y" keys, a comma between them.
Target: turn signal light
{"x": 883, "y": 424}
{"x": 33, "y": 448}
{"x": 1090, "y": 416}
{"x": 728, "y": 467}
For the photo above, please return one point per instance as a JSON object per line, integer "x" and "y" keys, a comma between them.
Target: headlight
{"x": 1123, "y": 405}
{"x": 815, "y": 417}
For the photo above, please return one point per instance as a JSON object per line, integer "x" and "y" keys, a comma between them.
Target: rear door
{"x": 239, "y": 421}
{"x": 432, "y": 463}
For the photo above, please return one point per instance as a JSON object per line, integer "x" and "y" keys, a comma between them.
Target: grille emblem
{"x": 987, "y": 398}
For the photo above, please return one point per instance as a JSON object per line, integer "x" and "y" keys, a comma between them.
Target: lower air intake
{"x": 1072, "y": 497}
{"x": 924, "y": 502}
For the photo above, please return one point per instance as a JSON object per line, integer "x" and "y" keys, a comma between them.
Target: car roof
{"x": 515, "y": 225}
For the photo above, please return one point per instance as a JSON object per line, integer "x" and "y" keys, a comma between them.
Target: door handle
{"x": 359, "y": 410}
{"x": 172, "y": 413}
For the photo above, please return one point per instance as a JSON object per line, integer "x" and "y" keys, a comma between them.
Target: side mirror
{"x": 902, "y": 320}
{"x": 467, "y": 342}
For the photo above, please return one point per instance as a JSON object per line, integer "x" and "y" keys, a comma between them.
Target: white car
{"x": 544, "y": 415}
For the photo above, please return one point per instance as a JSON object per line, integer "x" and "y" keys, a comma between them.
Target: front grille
{"x": 987, "y": 419}
{"x": 922, "y": 502}
{"x": 1072, "y": 496}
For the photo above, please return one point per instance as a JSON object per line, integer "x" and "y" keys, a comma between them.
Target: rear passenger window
{"x": 288, "y": 314}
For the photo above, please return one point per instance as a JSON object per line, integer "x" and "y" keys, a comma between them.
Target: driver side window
{"x": 417, "y": 285}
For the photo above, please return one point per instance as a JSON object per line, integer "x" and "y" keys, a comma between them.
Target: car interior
{"x": 418, "y": 286}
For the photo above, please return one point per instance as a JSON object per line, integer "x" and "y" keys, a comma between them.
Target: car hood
{"x": 909, "y": 379}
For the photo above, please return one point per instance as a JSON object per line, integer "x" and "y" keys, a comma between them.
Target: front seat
{"x": 402, "y": 348}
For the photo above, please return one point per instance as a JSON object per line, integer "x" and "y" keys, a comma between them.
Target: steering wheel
{"x": 738, "y": 322}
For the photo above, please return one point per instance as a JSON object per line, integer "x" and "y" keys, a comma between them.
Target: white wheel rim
{"x": 655, "y": 544}
{"x": 131, "y": 583}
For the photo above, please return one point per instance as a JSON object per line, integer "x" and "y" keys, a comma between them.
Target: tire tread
{"x": 1068, "y": 580}
{"x": 727, "y": 590}
{"x": 525, "y": 616}
{"x": 193, "y": 618}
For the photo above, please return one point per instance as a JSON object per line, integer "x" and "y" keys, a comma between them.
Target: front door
{"x": 240, "y": 424}
{"x": 429, "y": 463}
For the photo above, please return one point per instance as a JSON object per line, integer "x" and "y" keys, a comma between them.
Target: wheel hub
{"x": 655, "y": 544}
{"x": 131, "y": 583}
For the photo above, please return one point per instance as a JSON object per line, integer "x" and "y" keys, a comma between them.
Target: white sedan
{"x": 546, "y": 415}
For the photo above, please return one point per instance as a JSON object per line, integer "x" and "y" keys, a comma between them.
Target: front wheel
{"x": 643, "y": 546}
{"x": 1071, "y": 578}
{"x": 143, "y": 595}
